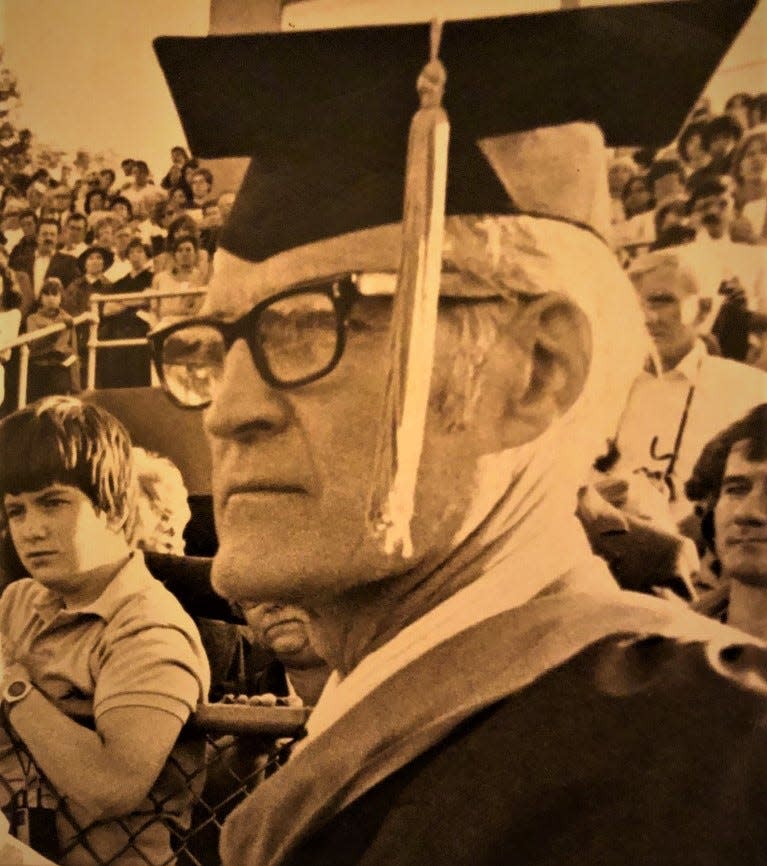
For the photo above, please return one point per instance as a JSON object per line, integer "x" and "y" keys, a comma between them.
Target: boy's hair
{"x": 52, "y": 286}
{"x": 66, "y": 441}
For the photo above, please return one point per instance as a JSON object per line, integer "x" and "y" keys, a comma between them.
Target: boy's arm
{"x": 124, "y": 755}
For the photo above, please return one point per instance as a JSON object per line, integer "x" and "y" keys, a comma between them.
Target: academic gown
{"x": 571, "y": 730}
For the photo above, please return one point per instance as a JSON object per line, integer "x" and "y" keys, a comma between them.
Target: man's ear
{"x": 554, "y": 336}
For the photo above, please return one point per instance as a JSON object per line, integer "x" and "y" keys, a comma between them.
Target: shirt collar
{"x": 131, "y": 579}
{"x": 687, "y": 368}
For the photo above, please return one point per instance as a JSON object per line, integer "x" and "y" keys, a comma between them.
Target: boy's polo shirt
{"x": 132, "y": 646}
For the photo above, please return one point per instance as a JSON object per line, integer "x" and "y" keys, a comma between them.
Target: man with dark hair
{"x": 721, "y": 259}
{"x": 107, "y": 179}
{"x": 202, "y": 184}
{"x": 102, "y": 666}
{"x": 75, "y": 228}
{"x": 413, "y": 402}
{"x": 54, "y": 361}
{"x": 666, "y": 179}
{"x": 730, "y": 483}
{"x": 46, "y": 260}
{"x": 28, "y": 242}
{"x": 140, "y": 192}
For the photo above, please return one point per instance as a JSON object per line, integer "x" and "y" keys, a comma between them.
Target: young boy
{"x": 102, "y": 665}
{"x": 54, "y": 363}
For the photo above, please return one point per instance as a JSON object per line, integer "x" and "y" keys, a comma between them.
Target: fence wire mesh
{"x": 181, "y": 827}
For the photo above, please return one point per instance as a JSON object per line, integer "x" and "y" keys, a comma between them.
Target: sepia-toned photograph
{"x": 383, "y": 433}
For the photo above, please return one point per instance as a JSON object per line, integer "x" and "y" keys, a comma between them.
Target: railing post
{"x": 93, "y": 336}
{"x": 21, "y": 402}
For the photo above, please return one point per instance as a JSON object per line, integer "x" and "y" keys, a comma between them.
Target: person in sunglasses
{"x": 400, "y": 414}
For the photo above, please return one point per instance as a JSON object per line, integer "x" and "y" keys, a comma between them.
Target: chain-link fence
{"x": 241, "y": 744}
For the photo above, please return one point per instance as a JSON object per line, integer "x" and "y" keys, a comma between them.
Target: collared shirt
{"x": 39, "y": 270}
{"x": 133, "y": 646}
{"x": 723, "y": 391}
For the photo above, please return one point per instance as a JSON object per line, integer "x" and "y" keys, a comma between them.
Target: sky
{"x": 88, "y": 76}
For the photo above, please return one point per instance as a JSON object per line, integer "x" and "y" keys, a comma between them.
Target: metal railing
{"x": 93, "y": 319}
{"x": 130, "y": 299}
{"x": 24, "y": 341}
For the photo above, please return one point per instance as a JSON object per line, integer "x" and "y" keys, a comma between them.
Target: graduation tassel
{"x": 414, "y": 315}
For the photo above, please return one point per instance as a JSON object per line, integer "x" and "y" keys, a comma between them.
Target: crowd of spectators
{"x": 93, "y": 232}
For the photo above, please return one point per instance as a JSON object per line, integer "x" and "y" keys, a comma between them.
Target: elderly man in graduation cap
{"x": 401, "y": 410}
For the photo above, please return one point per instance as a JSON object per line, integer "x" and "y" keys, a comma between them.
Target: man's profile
{"x": 491, "y": 685}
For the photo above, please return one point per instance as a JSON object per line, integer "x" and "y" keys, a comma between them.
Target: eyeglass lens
{"x": 297, "y": 336}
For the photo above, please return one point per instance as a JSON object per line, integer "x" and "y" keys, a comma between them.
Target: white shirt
{"x": 715, "y": 261}
{"x": 39, "y": 270}
{"x": 724, "y": 391}
{"x": 118, "y": 269}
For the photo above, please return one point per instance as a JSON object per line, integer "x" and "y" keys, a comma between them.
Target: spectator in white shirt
{"x": 685, "y": 395}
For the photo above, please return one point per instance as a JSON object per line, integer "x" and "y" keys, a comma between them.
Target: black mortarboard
{"x": 325, "y": 114}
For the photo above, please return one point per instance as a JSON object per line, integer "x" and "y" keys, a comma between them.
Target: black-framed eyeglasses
{"x": 295, "y": 337}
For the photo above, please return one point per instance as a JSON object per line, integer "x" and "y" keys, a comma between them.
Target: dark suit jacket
{"x": 633, "y": 752}
{"x": 61, "y": 265}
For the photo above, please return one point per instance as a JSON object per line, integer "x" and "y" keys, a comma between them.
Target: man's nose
{"x": 244, "y": 404}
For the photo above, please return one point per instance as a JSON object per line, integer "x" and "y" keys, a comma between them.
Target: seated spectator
{"x": 691, "y": 149}
{"x": 178, "y": 158}
{"x": 107, "y": 179}
{"x": 729, "y": 482}
{"x": 720, "y": 135}
{"x": 685, "y": 395}
{"x": 77, "y": 294}
{"x": 738, "y": 107}
{"x": 75, "y": 229}
{"x": 180, "y": 196}
{"x": 202, "y": 184}
{"x": 128, "y": 167}
{"x": 162, "y": 504}
{"x": 35, "y": 195}
{"x": 96, "y": 206}
{"x": 11, "y": 230}
{"x": 749, "y": 170}
{"x": 672, "y": 214}
{"x": 184, "y": 273}
{"x": 128, "y": 366}
{"x": 140, "y": 190}
{"x": 721, "y": 259}
{"x": 188, "y": 169}
{"x": 28, "y": 242}
{"x": 174, "y": 177}
{"x": 59, "y": 200}
{"x": 210, "y": 224}
{"x": 666, "y": 179}
{"x": 54, "y": 361}
{"x": 638, "y": 205}
{"x": 120, "y": 267}
{"x": 122, "y": 208}
{"x": 283, "y": 631}
{"x": 183, "y": 226}
{"x": 109, "y": 692}
{"x": 103, "y": 232}
{"x": 45, "y": 260}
